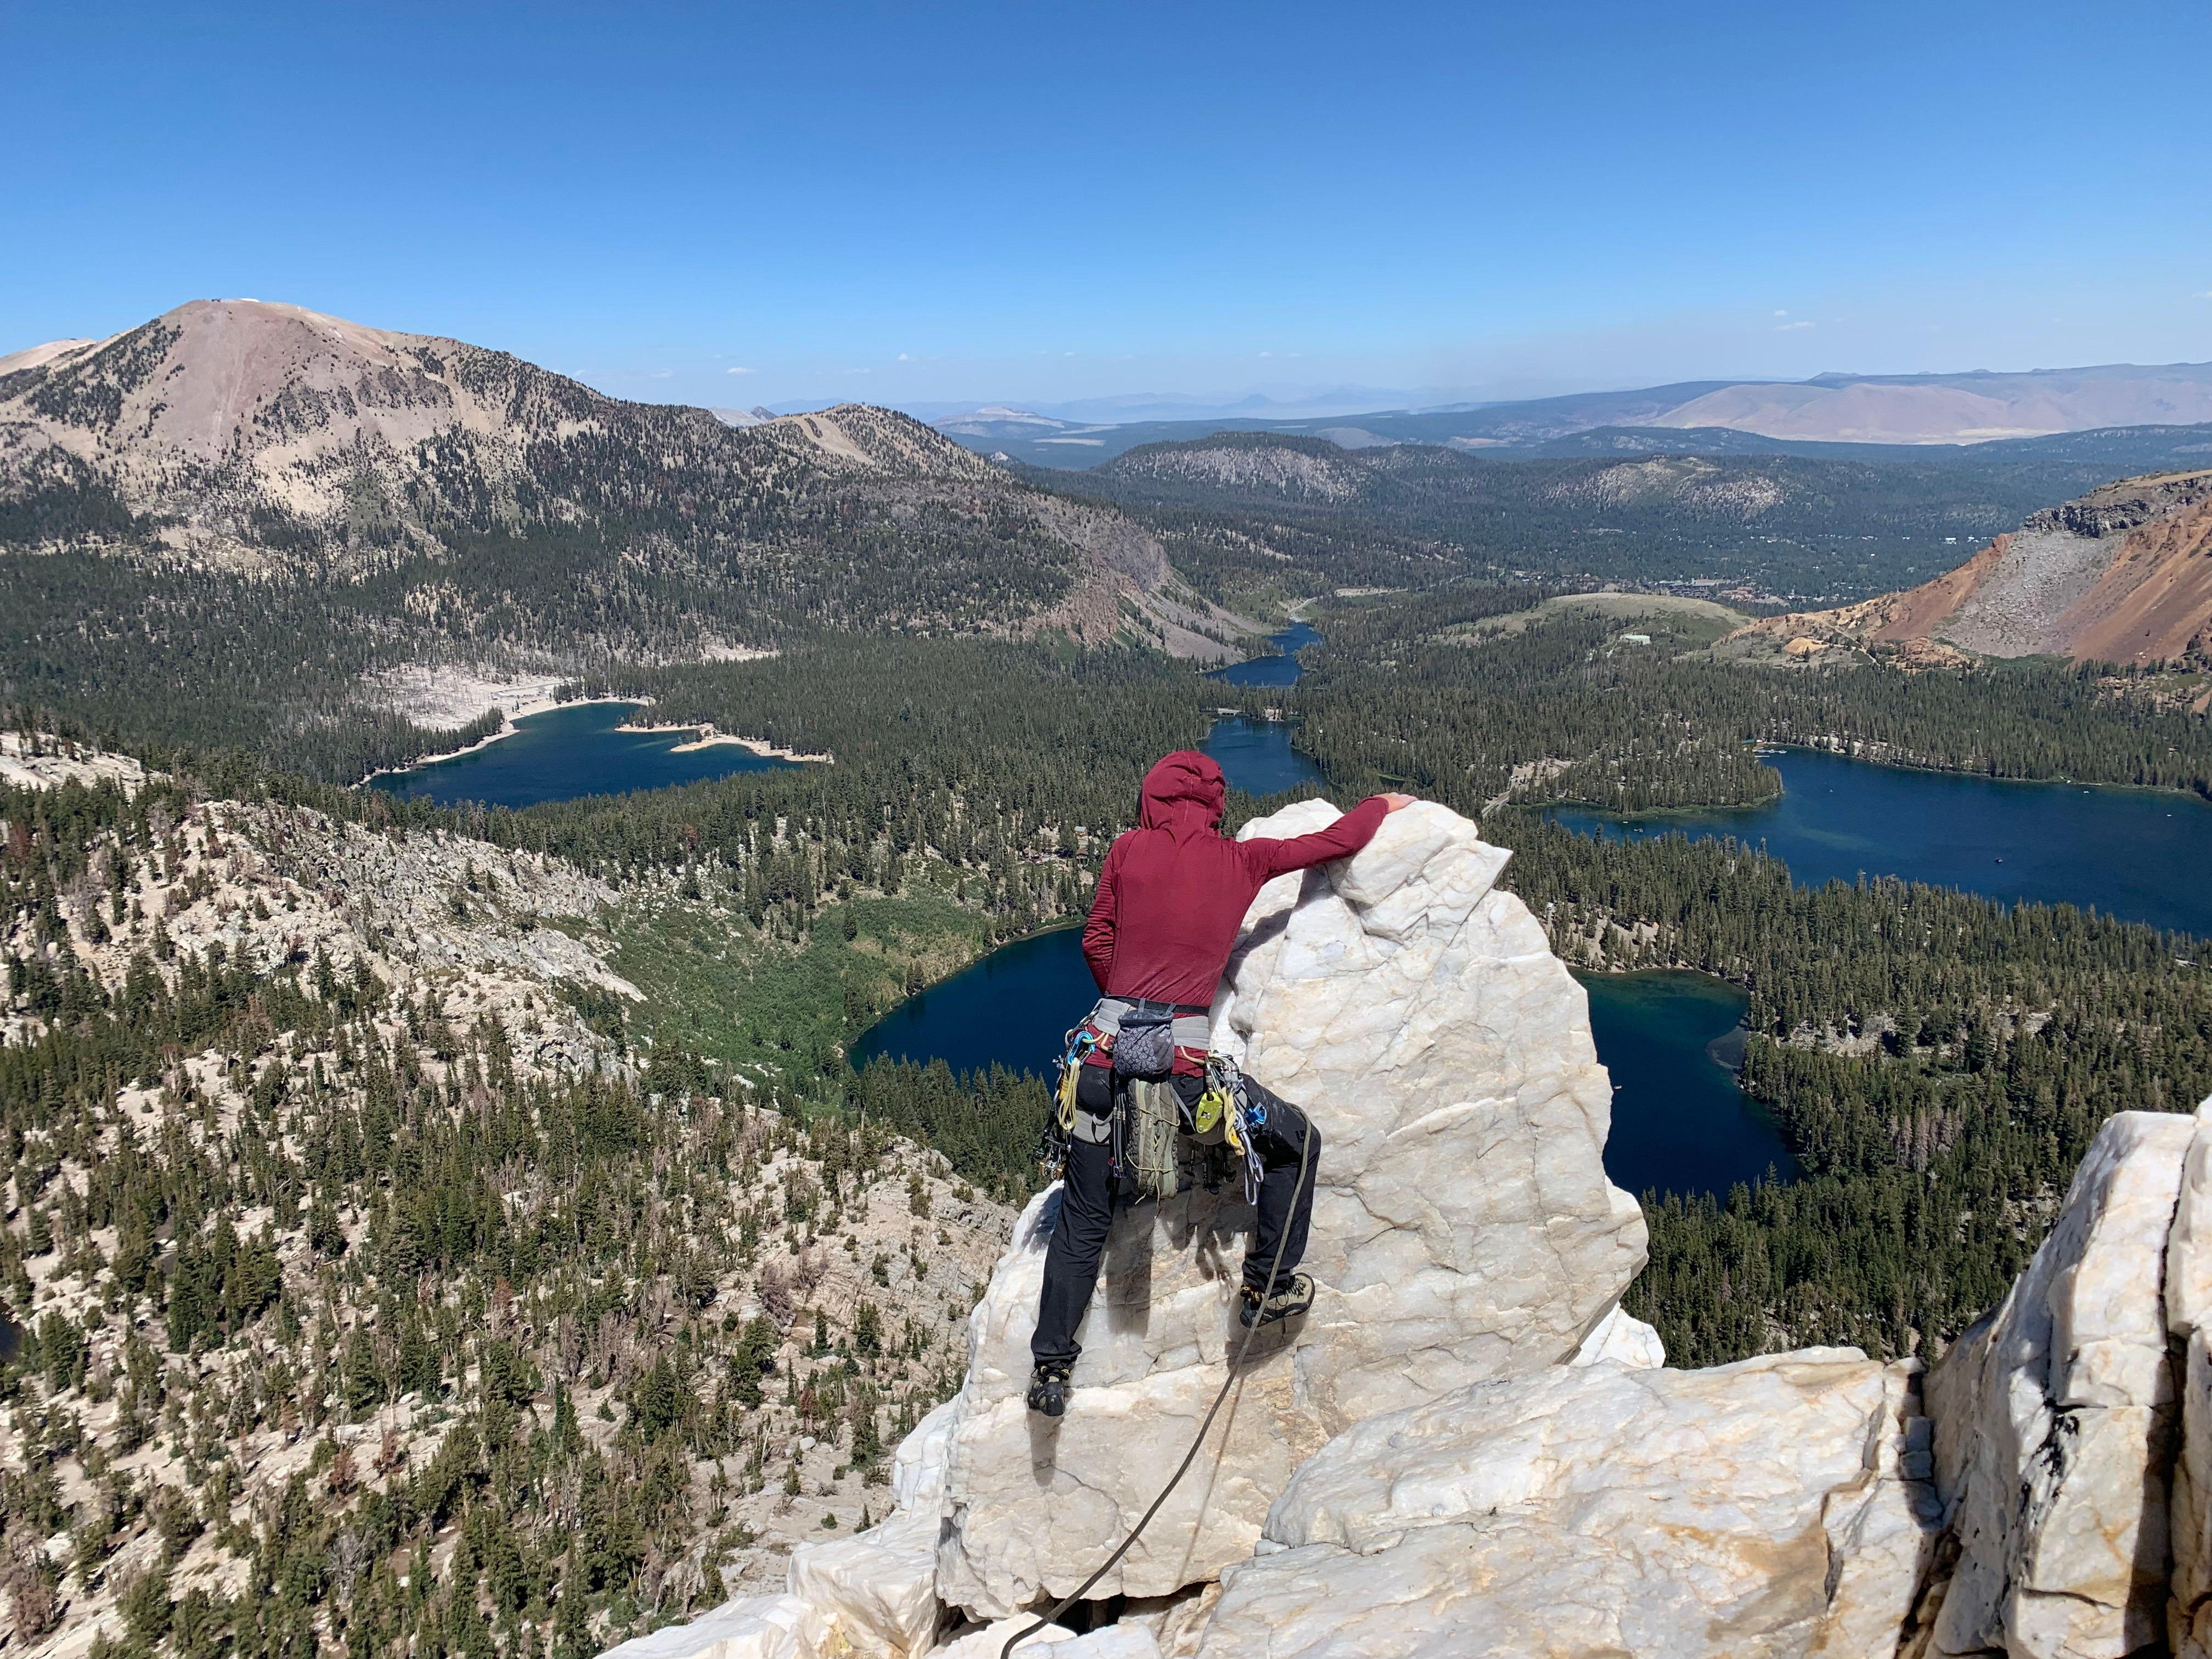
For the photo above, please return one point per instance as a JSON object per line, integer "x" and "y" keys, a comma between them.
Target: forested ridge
{"x": 375, "y": 1300}
{"x": 1937, "y": 1061}
{"x": 1447, "y": 694}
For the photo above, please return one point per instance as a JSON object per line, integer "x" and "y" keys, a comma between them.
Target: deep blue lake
{"x": 1273, "y": 671}
{"x": 568, "y": 752}
{"x": 1256, "y": 756}
{"x": 1679, "y": 1123}
{"x": 2140, "y": 855}
{"x": 1679, "y": 1120}
{"x": 1013, "y": 1009}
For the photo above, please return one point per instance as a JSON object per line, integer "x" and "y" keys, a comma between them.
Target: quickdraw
{"x": 1052, "y": 1145}
{"x": 1225, "y": 1099}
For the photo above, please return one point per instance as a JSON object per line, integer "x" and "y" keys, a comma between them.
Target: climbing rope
{"x": 1188, "y": 1457}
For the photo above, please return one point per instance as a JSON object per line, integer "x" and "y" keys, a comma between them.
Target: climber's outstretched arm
{"x": 1345, "y": 836}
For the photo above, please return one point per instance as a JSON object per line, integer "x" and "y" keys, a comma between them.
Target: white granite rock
{"x": 2054, "y": 1422}
{"x": 2189, "y": 1325}
{"x": 1112, "y": 1642}
{"x": 1463, "y": 1228}
{"x": 1764, "y": 1508}
{"x": 918, "y": 1466}
{"x": 990, "y": 1640}
{"x": 1621, "y": 1339}
{"x": 878, "y": 1590}
{"x": 752, "y": 1627}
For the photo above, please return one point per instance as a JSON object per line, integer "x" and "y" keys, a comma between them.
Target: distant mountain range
{"x": 1783, "y": 517}
{"x": 255, "y": 438}
{"x": 1704, "y": 416}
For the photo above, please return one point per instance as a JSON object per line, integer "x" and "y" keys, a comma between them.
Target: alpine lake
{"x": 1672, "y": 1041}
{"x": 576, "y": 749}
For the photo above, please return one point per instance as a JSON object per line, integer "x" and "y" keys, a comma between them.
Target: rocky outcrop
{"x": 1463, "y": 1228}
{"x": 1469, "y": 1449}
{"x": 1623, "y": 1340}
{"x": 877, "y": 1592}
{"x": 33, "y": 761}
{"x": 2189, "y": 1325}
{"x": 2055, "y": 1422}
{"x": 1778, "y": 1506}
{"x": 752, "y": 1627}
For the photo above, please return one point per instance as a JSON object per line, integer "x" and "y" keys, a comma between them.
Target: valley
{"x": 508, "y": 1207}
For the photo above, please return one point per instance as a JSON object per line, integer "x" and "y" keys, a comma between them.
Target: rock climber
{"x": 1172, "y": 897}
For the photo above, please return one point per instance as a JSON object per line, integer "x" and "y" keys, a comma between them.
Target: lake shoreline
{"x": 2129, "y": 853}
{"x": 508, "y": 728}
{"x": 708, "y": 738}
{"x": 1660, "y": 815}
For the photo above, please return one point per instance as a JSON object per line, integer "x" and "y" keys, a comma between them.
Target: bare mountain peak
{"x": 223, "y": 414}
{"x": 39, "y": 356}
{"x": 248, "y": 436}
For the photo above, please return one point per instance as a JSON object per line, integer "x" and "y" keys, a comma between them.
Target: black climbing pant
{"x": 1086, "y": 1207}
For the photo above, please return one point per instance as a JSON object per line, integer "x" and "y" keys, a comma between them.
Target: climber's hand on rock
{"x": 1394, "y": 800}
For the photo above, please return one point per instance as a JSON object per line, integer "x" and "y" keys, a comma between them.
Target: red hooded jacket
{"x": 1172, "y": 893}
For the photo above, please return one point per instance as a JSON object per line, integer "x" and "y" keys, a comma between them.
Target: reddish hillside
{"x": 2154, "y": 603}
{"x": 2122, "y": 574}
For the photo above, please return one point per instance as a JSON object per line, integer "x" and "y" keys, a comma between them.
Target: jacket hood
{"x": 1184, "y": 794}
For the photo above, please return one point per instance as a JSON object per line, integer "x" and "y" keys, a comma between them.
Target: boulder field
{"x": 1467, "y": 1448}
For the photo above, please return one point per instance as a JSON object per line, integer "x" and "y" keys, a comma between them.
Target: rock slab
{"x": 752, "y": 1627}
{"x": 1776, "y": 1507}
{"x": 1463, "y": 1229}
{"x": 2189, "y": 1325}
{"x": 2056, "y": 1419}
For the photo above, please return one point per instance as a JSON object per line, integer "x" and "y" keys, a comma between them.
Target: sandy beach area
{"x": 708, "y": 738}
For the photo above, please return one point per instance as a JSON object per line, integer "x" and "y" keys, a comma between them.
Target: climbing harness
{"x": 1189, "y": 1457}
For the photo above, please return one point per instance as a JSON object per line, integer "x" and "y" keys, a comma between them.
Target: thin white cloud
{"x": 904, "y": 358}
{"x": 2207, "y": 295}
{"x": 1784, "y": 328}
{"x": 738, "y": 371}
{"x": 1781, "y": 313}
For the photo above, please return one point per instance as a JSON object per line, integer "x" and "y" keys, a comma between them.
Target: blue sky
{"x": 1040, "y": 201}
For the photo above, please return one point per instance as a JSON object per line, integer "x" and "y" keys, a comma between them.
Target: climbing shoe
{"x": 1048, "y": 1388}
{"x": 1291, "y": 1300}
